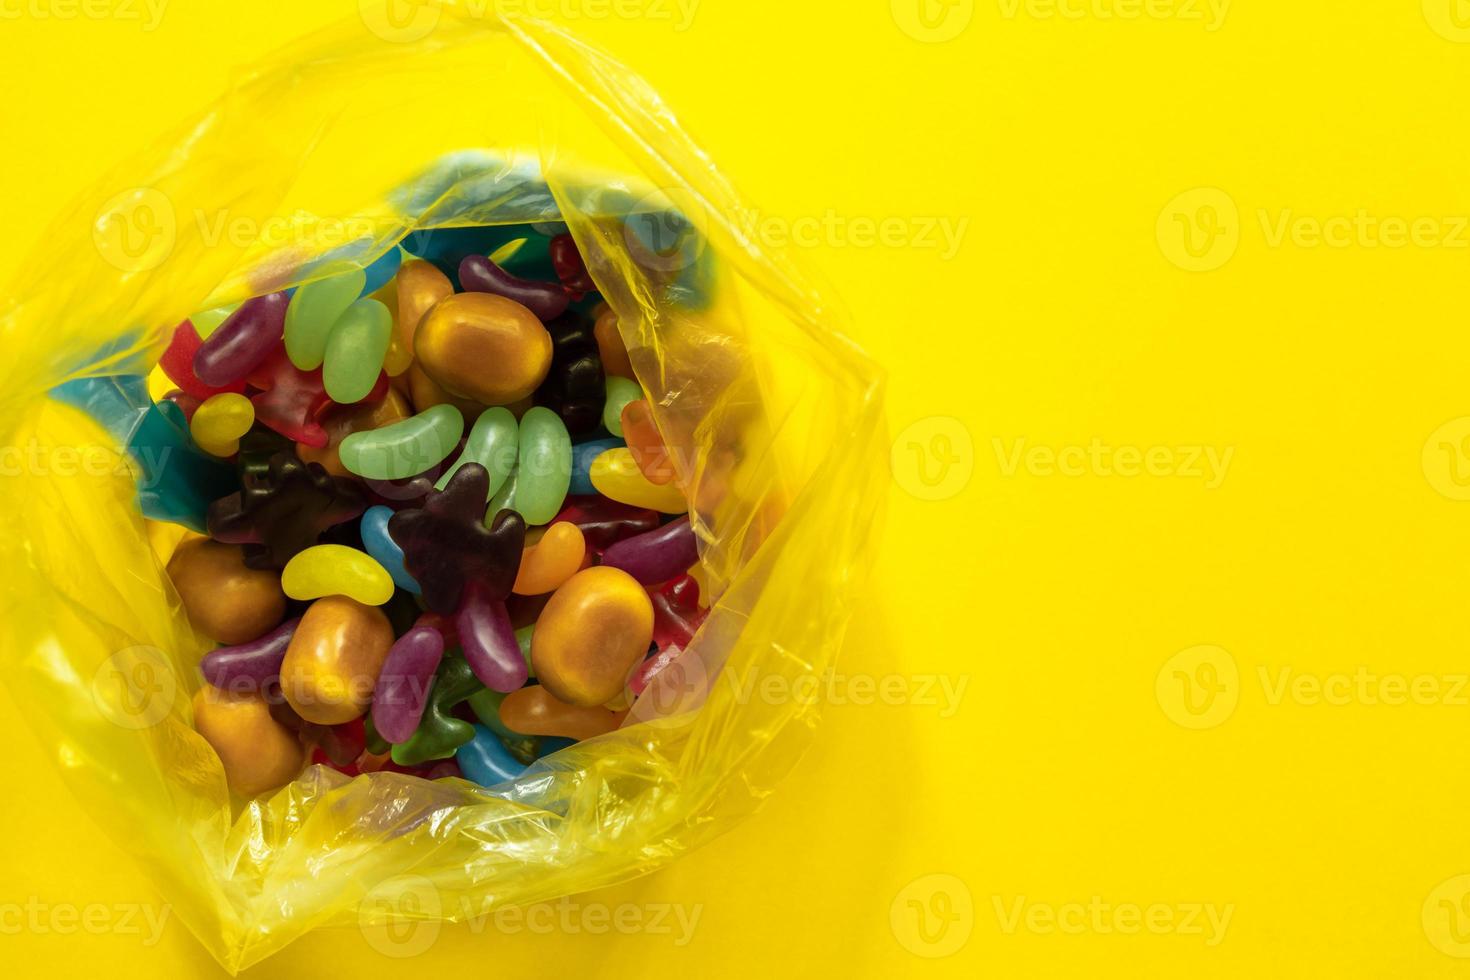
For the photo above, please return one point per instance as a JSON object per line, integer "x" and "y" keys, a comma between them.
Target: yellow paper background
{"x": 1055, "y": 144}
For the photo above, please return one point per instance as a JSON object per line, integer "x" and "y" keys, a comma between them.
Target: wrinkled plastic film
{"x": 773, "y": 417}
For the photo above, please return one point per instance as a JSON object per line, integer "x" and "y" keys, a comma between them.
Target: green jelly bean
{"x": 355, "y": 351}
{"x": 504, "y": 498}
{"x": 545, "y": 467}
{"x": 314, "y": 311}
{"x": 440, "y": 733}
{"x": 405, "y": 448}
{"x": 620, "y": 391}
{"x": 492, "y": 444}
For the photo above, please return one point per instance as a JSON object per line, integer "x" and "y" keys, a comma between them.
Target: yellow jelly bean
{"x": 220, "y": 421}
{"x": 549, "y": 562}
{"x": 615, "y": 474}
{"x": 335, "y": 569}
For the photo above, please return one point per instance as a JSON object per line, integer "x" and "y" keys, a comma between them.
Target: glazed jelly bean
{"x": 219, "y": 422}
{"x": 583, "y": 454}
{"x": 406, "y": 448}
{"x": 177, "y": 364}
{"x": 478, "y": 274}
{"x": 337, "y": 570}
{"x": 535, "y": 711}
{"x": 592, "y": 634}
{"x": 425, "y": 393}
{"x": 620, "y": 392}
{"x": 446, "y": 544}
{"x": 355, "y": 351}
{"x": 644, "y": 442}
{"x": 440, "y": 732}
{"x": 604, "y": 521}
{"x": 552, "y": 560}
{"x": 420, "y": 285}
{"x": 484, "y": 759}
{"x": 258, "y": 753}
{"x": 655, "y": 556}
{"x": 225, "y": 600}
{"x": 334, "y": 658}
{"x": 403, "y": 686}
{"x": 484, "y": 347}
{"x": 493, "y": 443}
{"x": 284, "y": 505}
{"x": 544, "y": 470}
{"x": 314, "y": 311}
{"x": 489, "y": 641}
{"x": 343, "y": 420}
{"x": 243, "y": 341}
{"x": 384, "y": 550}
{"x": 505, "y": 497}
{"x": 249, "y": 666}
{"x": 610, "y": 349}
{"x": 616, "y": 475}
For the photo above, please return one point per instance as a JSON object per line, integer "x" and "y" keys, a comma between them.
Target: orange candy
{"x": 535, "y": 711}
{"x": 610, "y": 346}
{"x": 419, "y": 285}
{"x": 483, "y": 347}
{"x": 259, "y": 753}
{"x": 593, "y": 633}
{"x": 645, "y": 444}
{"x": 549, "y": 562}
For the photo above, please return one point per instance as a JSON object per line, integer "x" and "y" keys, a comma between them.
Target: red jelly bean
{"x": 178, "y": 363}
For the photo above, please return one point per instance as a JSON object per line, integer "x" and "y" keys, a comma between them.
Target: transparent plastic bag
{"x": 325, "y": 157}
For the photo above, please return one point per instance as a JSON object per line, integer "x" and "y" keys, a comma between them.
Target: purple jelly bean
{"x": 242, "y": 342}
{"x": 402, "y": 690}
{"x": 249, "y": 666}
{"x": 489, "y": 642}
{"x": 657, "y": 555}
{"x": 477, "y": 274}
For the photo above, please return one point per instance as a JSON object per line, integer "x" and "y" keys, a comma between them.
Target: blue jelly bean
{"x": 378, "y": 543}
{"x": 380, "y": 271}
{"x": 582, "y": 456}
{"x": 484, "y": 759}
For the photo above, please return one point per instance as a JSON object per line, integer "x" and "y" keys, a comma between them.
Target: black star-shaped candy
{"x": 446, "y": 544}
{"x": 284, "y": 507}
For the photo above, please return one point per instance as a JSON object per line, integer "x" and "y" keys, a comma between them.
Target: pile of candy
{"x": 391, "y": 591}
